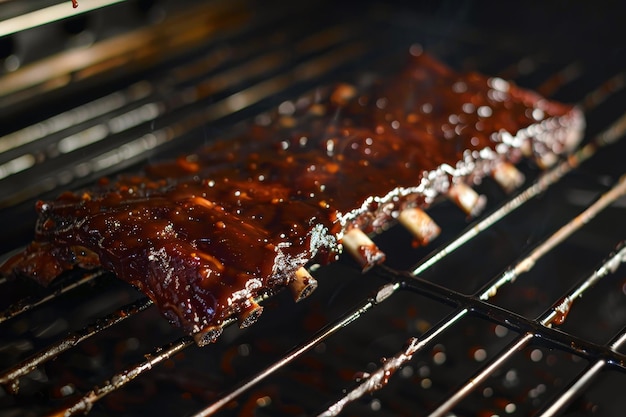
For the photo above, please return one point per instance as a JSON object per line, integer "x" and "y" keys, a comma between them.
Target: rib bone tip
{"x": 302, "y": 285}
{"x": 467, "y": 199}
{"x": 421, "y": 226}
{"x": 508, "y": 176}
{"x": 362, "y": 248}
{"x": 250, "y": 314}
{"x": 547, "y": 159}
{"x": 208, "y": 335}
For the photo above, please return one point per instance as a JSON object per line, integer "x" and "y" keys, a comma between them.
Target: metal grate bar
{"x": 84, "y": 404}
{"x": 492, "y": 312}
{"x": 555, "y": 315}
{"x": 48, "y": 15}
{"x": 373, "y": 382}
{"x": 384, "y": 293}
{"x": 377, "y": 379}
{"x": 134, "y": 150}
{"x": 156, "y": 42}
{"x": 601, "y": 94}
{"x": 568, "y": 74}
{"x": 29, "y": 303}
{"x": 10, "y": 376}
{"x": 583, "y": 380}
{"x": 558, "y": 237}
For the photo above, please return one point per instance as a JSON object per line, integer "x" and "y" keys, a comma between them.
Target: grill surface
{"x": 461, "y": 336}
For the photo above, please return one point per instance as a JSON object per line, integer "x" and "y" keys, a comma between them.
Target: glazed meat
{"x": 207, "y": 234}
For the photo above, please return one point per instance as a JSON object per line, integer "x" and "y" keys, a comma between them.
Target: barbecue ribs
{"x": 206, "y": 235}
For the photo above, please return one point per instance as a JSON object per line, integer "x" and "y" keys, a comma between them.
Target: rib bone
{"x": 362, "y": 248}
{"x": 208, "y": 335}
{"x": 467, "y": 199}
{"x": 421, "y": 226}
{"x": 250, "y": 314}
{"x": 302, "y": 285}
{"x": 508, "y": 176}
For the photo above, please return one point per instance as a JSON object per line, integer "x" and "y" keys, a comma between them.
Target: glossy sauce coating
{"x": 203, "y": 234}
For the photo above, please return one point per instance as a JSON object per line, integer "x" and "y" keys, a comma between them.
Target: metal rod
{"x": 10, "y": 376}
{"x": 554, "y": 314}
{"x": 382, "y": 294}
{"x": 375, "y": 380}
{"x": 479, "y": 378}
{"x": 555, "y": 239}
{"x": 60, "y": 68}
{"x": 559, "y": 312}
{"x": 26, "y": 304}
{"x": 84, "y": 404}
{"x": 50, "y": 14}
{"x": 307, "y": 71}
{"x": 371, "y": 382}
{"x": 556, "y": 337}
{"x": 85, "y": 113}
{"x": 582, "y": 381}
{"x": 560, "y": 78}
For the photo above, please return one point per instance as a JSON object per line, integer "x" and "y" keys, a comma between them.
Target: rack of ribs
{"x": 207, "y": 235}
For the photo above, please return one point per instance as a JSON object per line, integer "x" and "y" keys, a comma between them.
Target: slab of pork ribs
{"x": 206, "y": 235}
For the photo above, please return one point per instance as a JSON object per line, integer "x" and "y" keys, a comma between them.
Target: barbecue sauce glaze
{"x": 207, "y": 233}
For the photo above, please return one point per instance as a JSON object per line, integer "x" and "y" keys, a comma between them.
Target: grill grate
{"x": 458, "y": 341}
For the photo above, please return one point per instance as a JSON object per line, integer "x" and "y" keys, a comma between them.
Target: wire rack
{"x": 518, "y": 312}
